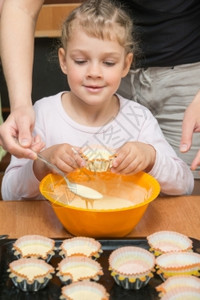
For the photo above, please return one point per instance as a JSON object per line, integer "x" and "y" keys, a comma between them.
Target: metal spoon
{"x": 75, "y": 188}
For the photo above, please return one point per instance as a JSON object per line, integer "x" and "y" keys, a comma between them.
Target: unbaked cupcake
{"x": 168, "y": 241}
{"x": 178, "y": 263}
{"x": 85, "y": 246}
{"x": 77, "y": 268}
{"x": 98, "y": 159}
{"x": 178, "y": 282}
{"x": 182, "y": 294}
{"x": 131, "y": 267}
{"x": 30, "y": 274}
{"x": 84, "y": 290}
{"x": 34, "y": 246}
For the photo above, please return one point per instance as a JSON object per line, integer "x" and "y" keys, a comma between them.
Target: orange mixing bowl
{"x": 100, "y": 222}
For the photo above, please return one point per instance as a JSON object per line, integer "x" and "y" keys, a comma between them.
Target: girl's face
{"x": 94, "y": 67}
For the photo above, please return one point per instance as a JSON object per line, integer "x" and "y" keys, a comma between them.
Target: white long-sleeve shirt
{"x": 133, "y": 123}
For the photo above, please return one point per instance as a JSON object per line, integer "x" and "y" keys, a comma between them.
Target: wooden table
{"x": 181, "y": 214}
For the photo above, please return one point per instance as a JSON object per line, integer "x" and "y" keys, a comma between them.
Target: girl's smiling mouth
{"x": 93, "y": 89}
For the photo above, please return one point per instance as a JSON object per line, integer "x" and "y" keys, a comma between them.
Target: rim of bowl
{"x": 155, "y": 193}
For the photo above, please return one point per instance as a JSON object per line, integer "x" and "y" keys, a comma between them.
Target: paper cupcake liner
{"x": 84, "y": 290}
{"x": 179, "y": 263}
{"x": 98, "y": 159}
{"x": 78, "y": 268}
{"x": 182, "y": 294}
{"x": 131, "y": 267}
{"x": 36, "y": 246}
{"x": 99, "y": 165}
{"x": 178, "y": 282}
{"x": 20, "y": 274}
{"x": 81, "y": 246}
{"x": 47, "y": 259}
{"x": 168, "y": 241}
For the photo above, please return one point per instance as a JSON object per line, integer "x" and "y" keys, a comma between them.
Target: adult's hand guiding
{"x": 16, "y": 134}
{"x": 18, "y": 19}
{"x": 191, "y": 124}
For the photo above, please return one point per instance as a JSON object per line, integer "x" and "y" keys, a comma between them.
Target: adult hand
{"x": 191, "y": 124}
{"x": 18, "y": 126}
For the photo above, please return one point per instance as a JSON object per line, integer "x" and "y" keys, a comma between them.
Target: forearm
{"x": 18, "y": 21}
{"x": 1, "y": 5}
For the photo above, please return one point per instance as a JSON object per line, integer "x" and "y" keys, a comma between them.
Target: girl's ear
{"x": 127, "y": 64}
{"x": 62, "y": 60}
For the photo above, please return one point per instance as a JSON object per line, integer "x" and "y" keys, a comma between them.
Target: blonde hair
{"x": 101, "y": 19}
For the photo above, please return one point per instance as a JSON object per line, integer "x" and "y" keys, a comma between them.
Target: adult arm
{"x": 191, "y": 124}
{"x": 173, "y": 174}
{"x": 18, "y": 20}
{"x": 1, "y": 4}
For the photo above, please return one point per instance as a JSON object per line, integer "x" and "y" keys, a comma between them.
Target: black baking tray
{"x": 53, "y": 290}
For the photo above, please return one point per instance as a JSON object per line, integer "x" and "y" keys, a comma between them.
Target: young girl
{"x": 97, "y": 51}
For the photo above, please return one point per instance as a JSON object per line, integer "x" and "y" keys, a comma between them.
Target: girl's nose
{"x": 94, "y": 70}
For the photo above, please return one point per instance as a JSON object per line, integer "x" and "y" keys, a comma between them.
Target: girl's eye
{"x": 80, "y": 62}
{"x": 109, "y": 63}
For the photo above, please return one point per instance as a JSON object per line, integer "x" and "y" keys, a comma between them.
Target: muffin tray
{"x": 53, "y": 289}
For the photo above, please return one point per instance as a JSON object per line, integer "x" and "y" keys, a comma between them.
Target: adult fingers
{"x": 187, "y": 133}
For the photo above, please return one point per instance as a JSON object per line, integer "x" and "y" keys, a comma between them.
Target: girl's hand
{"x": 134, "y": 157}
{"x": 37, "y": 144}
{"x": 62, "y": 156}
